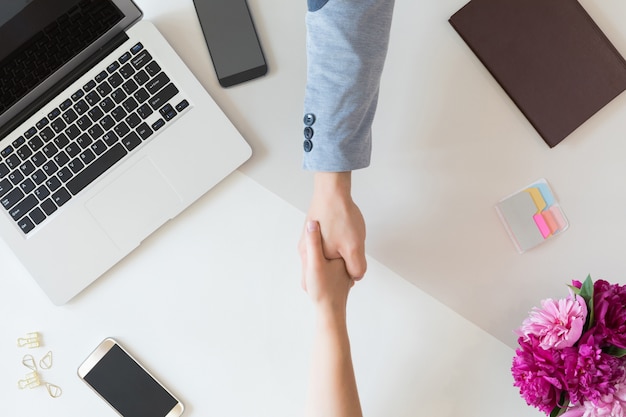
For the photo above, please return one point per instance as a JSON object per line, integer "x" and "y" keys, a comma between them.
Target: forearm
{"x": 332, "y": 387}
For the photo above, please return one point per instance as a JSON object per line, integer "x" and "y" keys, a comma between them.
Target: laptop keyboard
{"x": 84, "y": 136}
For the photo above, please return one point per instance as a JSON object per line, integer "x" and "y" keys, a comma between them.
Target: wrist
{"x": 333, "y": 183}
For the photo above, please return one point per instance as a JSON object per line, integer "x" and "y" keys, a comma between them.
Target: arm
{"x": 346, "y": 48}
{"x": 332, "y": 386}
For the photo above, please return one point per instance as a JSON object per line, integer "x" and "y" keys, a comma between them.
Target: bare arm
{"x": 332, "y": 385}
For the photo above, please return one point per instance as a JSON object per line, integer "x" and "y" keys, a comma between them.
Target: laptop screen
{"x": 39, "y": 37}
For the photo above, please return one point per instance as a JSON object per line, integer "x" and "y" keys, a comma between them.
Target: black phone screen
{"x": 232, "y": 40}
{"x": 129, "y": 389}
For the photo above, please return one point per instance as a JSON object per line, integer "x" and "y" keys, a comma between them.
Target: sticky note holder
{"x": 532, "y": 215}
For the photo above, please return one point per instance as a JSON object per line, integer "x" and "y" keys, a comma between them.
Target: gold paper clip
{"x": 30, "y": 381}
{"x": 46, "y": 361}
{"x": 31, "y": 340}
{"x": 29, "y": 362}
{"x": 54, "y": 390}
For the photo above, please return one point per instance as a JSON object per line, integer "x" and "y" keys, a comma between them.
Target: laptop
{"x": 105, "y": 135}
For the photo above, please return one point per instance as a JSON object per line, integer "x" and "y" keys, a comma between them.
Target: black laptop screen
{"x": 37, "y": 37}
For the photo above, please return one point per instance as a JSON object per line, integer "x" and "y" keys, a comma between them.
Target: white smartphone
{"x": 127, "y": 386}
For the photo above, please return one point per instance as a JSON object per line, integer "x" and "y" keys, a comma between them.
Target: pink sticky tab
{"x": 557, "y": 214}
{"x": 550, "y": 221}
{"x": 542, "y": 225}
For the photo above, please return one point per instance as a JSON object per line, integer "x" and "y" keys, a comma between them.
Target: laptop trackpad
{"x": 135, "y": 204}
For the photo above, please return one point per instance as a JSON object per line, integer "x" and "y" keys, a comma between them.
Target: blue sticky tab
{"x": 545, "y": 193}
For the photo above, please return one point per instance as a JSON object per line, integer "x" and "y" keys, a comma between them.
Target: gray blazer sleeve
{"x": 346, "y": 47}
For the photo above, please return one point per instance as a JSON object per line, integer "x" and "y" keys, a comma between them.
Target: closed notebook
{"x": 549, "y": 56}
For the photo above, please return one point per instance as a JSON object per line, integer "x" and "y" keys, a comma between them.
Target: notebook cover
{"x": 548, "y": 55}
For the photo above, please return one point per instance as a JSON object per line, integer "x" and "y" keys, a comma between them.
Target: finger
{"x": 314, "y": 250}
{"x": 356, "y": 264}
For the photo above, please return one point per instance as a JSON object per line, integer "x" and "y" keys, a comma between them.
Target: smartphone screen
{"x": 126, "y": 385}
{"x": 232, "y": 40}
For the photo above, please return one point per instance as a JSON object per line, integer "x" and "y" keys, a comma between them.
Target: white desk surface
{"x": 448, "y": 145}
{"x": 211, "y": 303}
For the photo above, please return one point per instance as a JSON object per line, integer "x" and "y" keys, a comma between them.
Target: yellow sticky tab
{"x": 537, "y": 198}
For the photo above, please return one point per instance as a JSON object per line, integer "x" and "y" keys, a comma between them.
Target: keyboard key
{"x": 182, "y": 105}
{"x": 118, "y": 95}
{"x": 104, "y": 89}
{"x": 53, "y": 183}
{"x": 12, "y": 198}
{"x": 54, "y": 114}
{"x": 40, "y": 124}
{"x": 107, "y": 122}
{"x": 24, "y": 152}
{"x": 46, "y": 134}
{"x": 122, "y": 129}
{"x": 50, "y": 168}
{"x": 72, "y": 132}
{"x": 110, "y": 138}
{"x": 77, "y": 95}
{"x": 64, "y": 174}
{"x": 144, "y": 131}
{"x": 133, "y": 120}
{"x": 127, "y": 71}
{"x": 141, "y": 59}
{"x": 27, "y": 185}
{"x": 119, "y": 113}
{"x": 89, "y": 86}
{"x": 41, "y": 193}
{"x": 18, "y": 142}
{"x": 84, "y": 140}
{"x": 87, "y": 156}
{"x": 50, "y": 150}
{"x": 27, "y": 168}
{"x": 157, "y": 83}
{"x": 130, "y": 87}
{"x": 81, "y": 107}
{"x": 101, "y": 77}
{"x": 131, "y": 141}
{"x": 61, "y": 159}
{"x": 48, "y": 206}
{"x": 168, "y": 112}
{"x": 19, "y": 210}
{"x": 107, "y": 105}
{"x": 61, "y": 141}
{"x": 113, "y": 67}
{"x": 84, "y": 123}
{"x": 58, "y": 125}
{"x": 38, "y": 176}
{"x": 141, "y": 95}
{"x": 26, "y": 225}
{"x": 35, "y": 143}
{"x": 92, "y": 98}
{"x": 70, "y": 116}
{"x": 158, "y": 124}
{"x": 5, "y": 186}
{"x": 30, "y": 132}
{"x": 95, "y": 131}
{"x": 115, "y": 80}
{"x": 16, "y": 176}
{"x": 141, "y": 77}
{"x": 61, "y": 197}
{"x": 144, "y": 111}
{"x": 65, "y": 105}
{"x": 153, "y": 68}
{"x": 97, "y": 168}
{"x": 98, "y": 147}
{"x": 4, "y": 170}
{"x": 95, "y": 114}
{"x": 37, "y": 216}
{"x": 6, "y": 151}
{"x": 38, "y": 159}
{"x": 136, "y": 48}
{"x": 13, "y": 161}
{"x": 72, "y": 149}
{"x": 124, "y": 58}
{"x": 76, "y": 165}
{"x": 163, "y": 96}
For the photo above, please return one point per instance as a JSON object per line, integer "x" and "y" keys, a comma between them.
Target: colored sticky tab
{"x": 537, "y": 198}
{"x": 517, "y": 211}
{"x": 550, "y": 221}
{"x": 558, "y": 217}
{"x": 546, "y": 193}
{"x": 544, "y": 229}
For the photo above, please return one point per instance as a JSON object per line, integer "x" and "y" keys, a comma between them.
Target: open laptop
{"x": 104, "y": 136}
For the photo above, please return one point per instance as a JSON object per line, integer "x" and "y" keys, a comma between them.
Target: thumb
{"x": 313, "y": 239}
{"x": 356, "y": 264}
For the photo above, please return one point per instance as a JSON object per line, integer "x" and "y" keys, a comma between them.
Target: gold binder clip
{"x": 31, "y": 380}
{"x": 54, "y": 390}
{"x": 29, "y": 362}
{"x": 46, "y": 361}
{"x": 31, "y": 340}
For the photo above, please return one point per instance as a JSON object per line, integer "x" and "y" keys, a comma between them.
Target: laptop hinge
{"x": 65, "y": 82}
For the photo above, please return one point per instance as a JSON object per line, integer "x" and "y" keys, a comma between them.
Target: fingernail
{"x": 312, "y": 226}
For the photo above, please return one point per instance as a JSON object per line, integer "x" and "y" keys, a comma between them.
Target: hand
{"x": 326, "y": 281}
{"x": 341, "y": 222}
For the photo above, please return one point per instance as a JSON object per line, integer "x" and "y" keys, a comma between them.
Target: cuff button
{"x": 308, "y": 145}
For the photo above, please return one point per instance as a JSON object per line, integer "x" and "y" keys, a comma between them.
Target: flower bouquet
{"x": 571, "y": 360}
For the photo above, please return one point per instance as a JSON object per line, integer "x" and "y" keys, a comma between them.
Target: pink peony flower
{"x": 612, "y": 405}
{"x": 558, "y": 324}
{"x": 590, "y": 374}
{"x": 538, "y": 374}
{"x": 610, "y": 312}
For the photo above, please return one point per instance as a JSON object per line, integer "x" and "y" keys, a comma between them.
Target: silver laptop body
{"x": 107, "y": 146}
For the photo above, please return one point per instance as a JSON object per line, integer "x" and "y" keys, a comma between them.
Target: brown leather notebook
{"x": 548, "y": 55}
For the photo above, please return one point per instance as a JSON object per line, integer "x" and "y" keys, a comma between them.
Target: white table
{"x": 211, "y": 303}
{"x": 448, "y": 145}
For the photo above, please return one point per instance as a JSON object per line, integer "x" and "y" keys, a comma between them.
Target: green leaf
{"x": 586, "y": 292}
{"x": 561, "y": 406}
{"x": 615, "y": 351}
